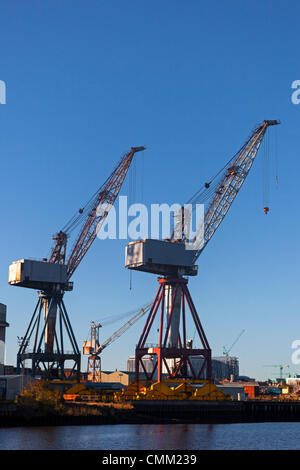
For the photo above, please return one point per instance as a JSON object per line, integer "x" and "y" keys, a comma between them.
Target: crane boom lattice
{"x": 94, "y": 348}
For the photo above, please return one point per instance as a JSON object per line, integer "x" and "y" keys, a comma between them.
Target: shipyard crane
{"x": 93, "y": 347}
{"x": 174, "y": 260}
{"x": 52, "y": 279}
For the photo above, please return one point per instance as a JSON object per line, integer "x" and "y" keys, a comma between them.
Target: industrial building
{"x": 148, "y": 363}
{"x": 117, "y": 376}
{"x": 12, "y": 385}
{"x": 293, "y": 381}
{"x": 225, "y": 367}
{"x": 235, "y": 391}
{"x": 3, "y": 326}
{"x": 122, "y": 377}
{"x": 222, "y": 368}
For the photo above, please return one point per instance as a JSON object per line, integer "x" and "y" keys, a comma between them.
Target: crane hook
{"x": 266, "y": 210}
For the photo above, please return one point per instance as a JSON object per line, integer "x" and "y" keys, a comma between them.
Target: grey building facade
{"x": 3, "y": 326}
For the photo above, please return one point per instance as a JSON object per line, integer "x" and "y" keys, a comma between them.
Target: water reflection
{"x": 155, "y": 437}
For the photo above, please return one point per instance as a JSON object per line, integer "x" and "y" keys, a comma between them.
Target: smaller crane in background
{"x": 280, "y": 366}
{"x": 93, "y": 348}
{"x": 227, "y": 351}
{"x": 90, "y": 347}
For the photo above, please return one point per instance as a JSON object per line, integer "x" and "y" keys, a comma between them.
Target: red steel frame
{"x": 182, "y": 352}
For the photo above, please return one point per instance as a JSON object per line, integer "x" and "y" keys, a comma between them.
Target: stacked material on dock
{"x": 100, "y": 391}
{"x": 172, "y": 390}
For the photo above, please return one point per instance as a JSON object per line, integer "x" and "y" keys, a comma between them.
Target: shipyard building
{"x": 222, "y": 367}
{"x": 3, "y": 326}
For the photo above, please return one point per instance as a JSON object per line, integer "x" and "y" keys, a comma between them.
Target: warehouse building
{"x": 235, "y": 391}
{"x": 148, "y": 362}
{"x": 222, "y": 367}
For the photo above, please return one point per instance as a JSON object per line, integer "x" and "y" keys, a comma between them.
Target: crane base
{"x": 51, "y": 365}
{"x": 47, "y": 335}
{"x": 174, "y": 356}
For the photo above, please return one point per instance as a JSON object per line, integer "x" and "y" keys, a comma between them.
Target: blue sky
{"x": 85, "y": 81}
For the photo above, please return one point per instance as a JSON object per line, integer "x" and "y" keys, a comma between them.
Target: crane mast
{"x": 139, "y": 314}
{"x": 94, "y": 348}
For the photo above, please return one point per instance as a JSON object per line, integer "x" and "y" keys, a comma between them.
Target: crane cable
{"x": 206, "y": 191}
{"x": 266, "y": 173}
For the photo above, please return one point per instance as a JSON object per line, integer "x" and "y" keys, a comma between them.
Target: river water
{"x": 260, "y": 436}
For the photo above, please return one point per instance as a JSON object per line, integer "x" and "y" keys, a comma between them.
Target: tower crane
{"x": 94, "y": 348}
{"x": 230, "y": 361}
{"x": 174, "y": 260}
{"x": 52, "y": 279}
{"x": 279, "y": 366}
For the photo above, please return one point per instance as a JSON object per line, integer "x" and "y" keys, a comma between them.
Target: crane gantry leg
{"x": 50, "y": 360}
{"x": 174, "y": 351}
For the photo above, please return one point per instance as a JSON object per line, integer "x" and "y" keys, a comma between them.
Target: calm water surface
{"x": 158, "y": 437}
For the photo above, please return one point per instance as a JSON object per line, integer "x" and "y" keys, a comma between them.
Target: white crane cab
{"x": 37, "y": 274}
{"x": 160, "y": 257}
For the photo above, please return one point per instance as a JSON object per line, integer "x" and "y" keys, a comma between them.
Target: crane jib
{"x": 232, "y": 179}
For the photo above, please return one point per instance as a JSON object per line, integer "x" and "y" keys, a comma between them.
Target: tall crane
{"x": 52, "y": 279}
{"x": 93, "y": 347}
{"x": 175, "y": 258}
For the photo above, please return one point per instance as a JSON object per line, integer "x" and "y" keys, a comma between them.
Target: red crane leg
{"x": 166, "y": 351}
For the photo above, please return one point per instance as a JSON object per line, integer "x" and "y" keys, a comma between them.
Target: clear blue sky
{"x": 88, "y": 79}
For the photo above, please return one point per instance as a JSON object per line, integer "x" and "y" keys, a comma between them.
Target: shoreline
{"x": 152, "y": 412}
